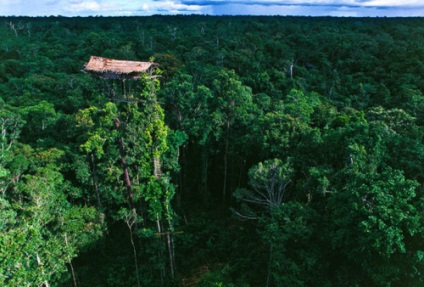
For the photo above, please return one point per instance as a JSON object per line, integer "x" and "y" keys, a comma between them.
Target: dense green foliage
{"x": 275, "y": 151}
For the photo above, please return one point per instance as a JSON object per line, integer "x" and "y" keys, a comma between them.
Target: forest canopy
{"x": 263, "y": 151}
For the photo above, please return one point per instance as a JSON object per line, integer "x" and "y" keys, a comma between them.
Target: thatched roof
{"x": 110, "y": 68}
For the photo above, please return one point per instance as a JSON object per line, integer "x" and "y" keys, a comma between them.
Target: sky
{"x": 338, "y": 8}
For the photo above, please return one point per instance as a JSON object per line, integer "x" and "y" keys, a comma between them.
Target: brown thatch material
{"x": 110, "y": 68}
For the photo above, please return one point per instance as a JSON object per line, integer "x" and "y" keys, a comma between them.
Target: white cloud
{"x": 345, "y": 8}
{"x": 394, "y": 3}
{"x": 84, "y": 6}
{"x": 170, "y": 7}
{"x": 335, "y": 3}
{"x": 215, "y": 7}
{"x": 9, "y": 7}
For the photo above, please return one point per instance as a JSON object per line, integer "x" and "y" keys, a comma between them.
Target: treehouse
{"x": 113, "y": 71}
{"x": 118, "y": 71}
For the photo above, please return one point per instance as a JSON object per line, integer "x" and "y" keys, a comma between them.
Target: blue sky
{"x": 351, "y": 8}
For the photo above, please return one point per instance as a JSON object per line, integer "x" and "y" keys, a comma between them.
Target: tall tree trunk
{"x": 171, "y": 247}
{"x": 170, "y": 242}
{"x": 224, "y": 189}
{"x": 125, "y": 166}
{"x": 95, "y": 180}
{"x": 204, "y": 174}
{"x": 182, "y": 173}
{"x": 268, "y": 278}
{"x": 40, "y": 264}
{"x": 241, "y": 167}
{"x": 130, "y": 220}
{"x": 74, "y": 278}
{"x": 160, "y": 255}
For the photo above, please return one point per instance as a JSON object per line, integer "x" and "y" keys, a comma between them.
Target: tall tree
{"x": 129, "y": 141}
{"x": 233, "y": 101}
